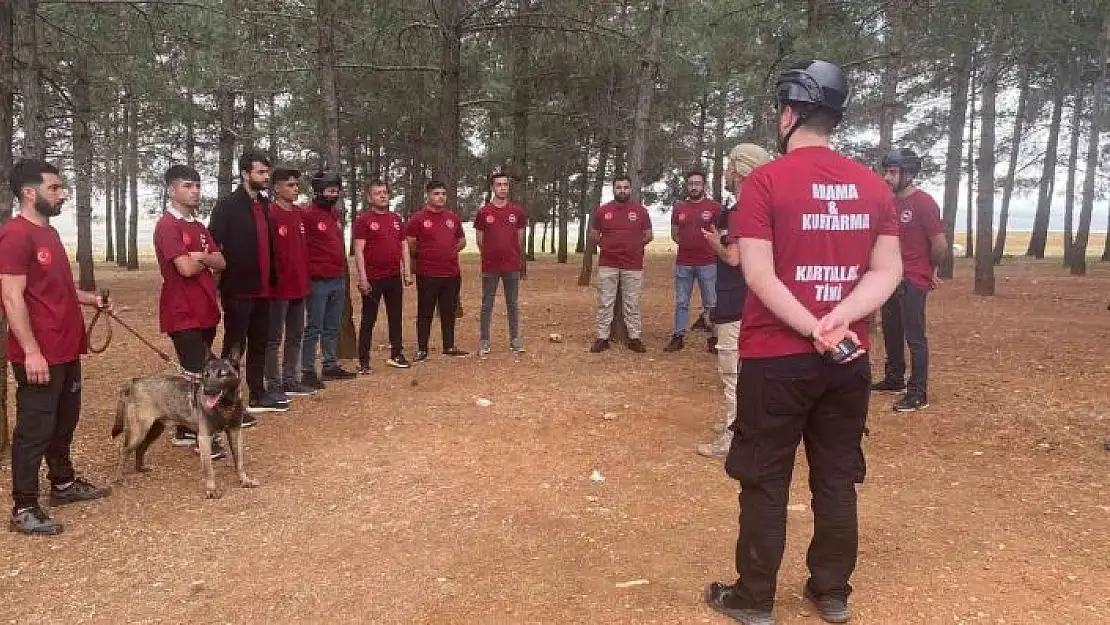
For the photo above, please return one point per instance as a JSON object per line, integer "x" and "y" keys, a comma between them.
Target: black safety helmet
{"x": 323, "y": 179}
{"x": 905, "y": 159}
{"x": 818, "y": 83}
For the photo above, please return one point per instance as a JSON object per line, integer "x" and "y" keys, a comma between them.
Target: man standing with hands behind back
{"x": 817, "y": 238}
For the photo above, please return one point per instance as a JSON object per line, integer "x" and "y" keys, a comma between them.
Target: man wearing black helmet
{"x": 924, "y": 247}
{"x": 817, "y": 238}
{"x": 327, "y": 264}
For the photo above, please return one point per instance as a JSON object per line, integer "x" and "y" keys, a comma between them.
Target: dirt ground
{"x": 394, "y": 498}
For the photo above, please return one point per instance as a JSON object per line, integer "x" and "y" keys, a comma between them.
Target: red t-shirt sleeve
{"x": 212, "y": 247}
{"x": 16, "y": 253}
{"x": 459, "y": 234}
{"x": 887, "y": 215}
{"x": 480, "y": 220}
{"x": 412, "y": 228}
{"x": 931, "y": 218}
{"x": 752, "y": 218}
{"x": 647, "y": 219}
{"x": 167, "y": 238}
{"x": 361, "y": 231}
{"x": 674, "y": 215}
{"x": 522, "y": 218}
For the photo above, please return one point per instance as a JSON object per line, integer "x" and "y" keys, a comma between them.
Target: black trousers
{"x": 45, "y": 417}
{"x": 904, "y": 323}
{"x": 433, "y": 293}
{"x": 193, "y": 347}
{"x": 247, "y": 329}
{"x": 782, "y": 401}
{"x": 392, "y": 291}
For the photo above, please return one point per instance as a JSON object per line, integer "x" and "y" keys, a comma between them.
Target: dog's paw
{"x": 246, "y": 482}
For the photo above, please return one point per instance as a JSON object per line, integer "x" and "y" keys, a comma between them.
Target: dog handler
{"x": 188, "y": 310}
{"x": 817, "y": 237}
{"x": 46, "y": 337}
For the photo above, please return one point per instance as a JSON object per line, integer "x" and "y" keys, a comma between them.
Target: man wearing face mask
{"x": 240, "y": 225}
{"x": 327, "y": 264}
{"x": 46, "y": 337}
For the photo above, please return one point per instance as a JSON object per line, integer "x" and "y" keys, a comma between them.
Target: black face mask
{"x": 46, "y": 209}
{"x": 327, "y": 202}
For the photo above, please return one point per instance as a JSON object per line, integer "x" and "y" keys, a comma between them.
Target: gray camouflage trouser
{"x": 631, "y": 285}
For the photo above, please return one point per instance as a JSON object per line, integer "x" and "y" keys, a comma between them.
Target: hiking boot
{"x": 911, "y": 402}
{"x": 364, "y": 369}
{"x": 336, "y": 372}
{"x": 183, "y": 437}
{"x": 399, "y": 361}
{"x": 888, "y": 385}
{"x": 599, "y": 346}
{"x": 297, "y": 389}
{"x": 718, "y": 448}
{"x": 455, "y": 352}
{"x": 266, "y": 404}
{"x": 718, "y": 596}
{"x": 34, "y": 521}
{"x": 637, "y": 346}
{"x": 313, "y": 381}
{"x": 677, "y": 343}
{"x": 420, "y": 356}
{"x": 77, "y": 490}
{"x": 832, "y": 609}
{"x": 218, "y": 450}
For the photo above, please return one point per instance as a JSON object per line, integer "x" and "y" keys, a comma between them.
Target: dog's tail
{"x": 121, "y": 412}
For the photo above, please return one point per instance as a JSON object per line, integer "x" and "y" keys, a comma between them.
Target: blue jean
{"x": 684, "y": 277}
{"x": 325, "y": 308}
{"x": 512, "y": 308}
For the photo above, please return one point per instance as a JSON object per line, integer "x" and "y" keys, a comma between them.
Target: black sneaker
{"x": 711, "y": 345}
{"x": 311, "y": 380}
{"x": 218, "y": 450}
{"x": 831, "y": 609}
{"x": 183, "y": 437}
{"x": 718, "y": 596}
{"x": 33, "y": 521}
{"x": 420, "y": 356}
{"x": 363, "y": 369}
{"x": 77, "y": 490}
{"x": 297, "y": 389}
{"x": 249, "y": 421}
{"x": 337, "y": 373}
{"x": 677, "y": 343}
{"x": 599, "y": 346}
{"x": 701, "y": 324}
{"x": 887, "y": 385}
{"x": 266, "y": 404}
{"x": 399, "y": 361}
{"x": 637, "y": 346}
{"x": 455, "y": 352}
{"x": 279, "y": 397}
{"x": 911, "y": 402}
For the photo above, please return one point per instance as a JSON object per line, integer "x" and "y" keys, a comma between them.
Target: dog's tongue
{"x": 210, "y": 401}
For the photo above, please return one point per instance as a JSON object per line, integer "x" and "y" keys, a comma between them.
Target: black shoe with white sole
{"x": 33, "y": 520}
{"x": 77, "y": 490}
{"x": 266, "y": 404}
{"x": 832, "y": 609}
{"x": 911, "y": 402}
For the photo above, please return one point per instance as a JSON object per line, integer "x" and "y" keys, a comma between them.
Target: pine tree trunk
{"x": 1011, "y": 170}
{"x": 984, "y": 258}
{"x": 190, "y": 132}
{"x": 272, "y": 129}
{"x": 1079, "y": 254}
{"x": 957, "y": 119}
{"x": 599, "y": 186}
{"x": 449, "y": 110}
{"x": 583, "y": 198}
{"x": 133, "y": 181}
{"x": 8, "y": 82}
{"x": 970, "y": 235}
{"x": 83, "y": 166}
{"x": 1038, "y": 240}
{"x": 25, "y": 32}
{"x": 888, "y": 112}
{"x": 720, "y": 114}
{"x": 109, "y": 205}
{"x": 562, "y": 253}
{"x": 121, "y": 186}
{"x": 1073, "y": 161}
{"x": 645, "y": 92}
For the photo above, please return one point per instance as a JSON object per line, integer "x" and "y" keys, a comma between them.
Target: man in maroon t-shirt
{"x": 435, "y": 237}
{"x": 499, "y": 226}
{"x": 287, "y": 298}
{"x": 622, "y": 229}
{"x": 384, "y": 270}
{"x": 924, "y": 248}
{"x": 188, "y": 309}
{"x": 696, "y": 260}
{"x": 46, "y": 337}
{"x": 327, "y": 268}
{"x": 817, "y": 237}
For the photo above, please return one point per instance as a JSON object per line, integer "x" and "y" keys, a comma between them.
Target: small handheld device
{"x": 844, "y": 349}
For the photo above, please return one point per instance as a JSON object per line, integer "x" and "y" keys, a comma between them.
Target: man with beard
{"x": 696, "y": 260}
{"x": 327, "y": 268}
{"x": 240, "y": 224}
{"x": 436, "y": 235}
{"x": 499, "y": 226}
{"x": 188, "y": 310}
{"x": 622, "y": 229}
{"x": 731, "y": 292}
{"x": 924, "y": 248}
{"x": 46, "y": 337}
{"x": 817, "y": 237}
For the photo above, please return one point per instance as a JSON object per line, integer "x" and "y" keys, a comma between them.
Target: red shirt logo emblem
{"x": 706, "y": 215}
{"x": 681, "y": 217}
{"x": 397, "y": 225}
{"x": 44, "y": 257}
{"x": 374, "y": 226}
{"x": 607, "y": 216}
{"x": 427, "y": 223}
{"x": 449, "y": 223}
{"x": 186, "y": 239}
{"x": 282, "y": 230}
{"x": 907, "y": 216}
{"x": 633, "y": 216}
{"x": 322, "y": 226}
{"x": 512, "y": 219}
{"x": 490, "y": 219}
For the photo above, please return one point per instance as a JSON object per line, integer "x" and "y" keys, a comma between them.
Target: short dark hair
{"x": 180, "y": 172}
{"x": 28, "y": 172}
{"x": 817, "y": 119}
{"x": 696, "y": 171}
{"x": 498, "y": 174}
{"x": 433, "y": 185}
{"x": 620, "y": 177}
{"x": 281, "y": 174}
{"x": 377, "y": 182}
{"x": 250, "y": 157}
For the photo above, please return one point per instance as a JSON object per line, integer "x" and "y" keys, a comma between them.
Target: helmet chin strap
{"x": 799, "y": 119}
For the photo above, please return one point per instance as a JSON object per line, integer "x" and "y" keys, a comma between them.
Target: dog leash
{"x": 109, "y": 315}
